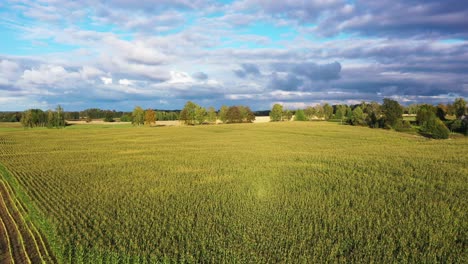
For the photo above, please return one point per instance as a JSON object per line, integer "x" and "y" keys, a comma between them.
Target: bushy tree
{"x": 309, "y": 112}
{"x": 234, "y": 115}
{"x": 392, "y": 111}
{"x": 327, "y": 111}
{"x": 223, "y": 113}
{"x": 459, "y": 107}
{"x": 150, "y": 117}
{"x": 373, "y": 115}
{"x": 200, "y": 114}
{"x": 287, "y": 115}
{"x": 276, "y": 113}
{"x": 340, "y": 112}
{"x": 425, "y": 113}
{"x": 188, "y": 114}
{"x": 319, "y": 112}
{"x": 211, "y": 115}
{"x": 441, "y": 111}
{"x": 138, "y": 116}
{"x": 357, "y": 118}
{"x": 109, "y": 116}
{"x": 300, "y": 115}
{"x": 247, "y": 114}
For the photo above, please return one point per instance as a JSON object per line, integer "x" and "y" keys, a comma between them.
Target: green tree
{"x": 459, "y": 107}
{"x": 59, "y": 117}
{"x": 276, "y": 113}
{"x": 373, "y": 112}
{"x": 223, "y": 113}
{"x": 300, "y": 115}
{"x": 188, "y": 114}
{"x": 138, "y": 116}
{"x": 358, "y": 117}
{"x": 392, "y": 111}
{"x": 200, "y": 114}
{"x": 109, "y": 116}
{"x": 425, "y": 113}
{"x": 150, "y": 117}
{"x": 50, "y": 119}
{"x": 327, "y": 111}
{"x": 340, "y": 112}
{"x": 211, "y": 115}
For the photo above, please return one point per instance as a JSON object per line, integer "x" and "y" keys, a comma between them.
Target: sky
{"x": 116, "y": 54}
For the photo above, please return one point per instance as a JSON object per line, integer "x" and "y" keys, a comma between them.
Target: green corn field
{"x": 291, "y": 192}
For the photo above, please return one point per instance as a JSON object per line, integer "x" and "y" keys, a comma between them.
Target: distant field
{"x": 295, "y": 192}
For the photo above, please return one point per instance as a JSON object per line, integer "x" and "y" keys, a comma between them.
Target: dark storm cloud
{"x": 248, "y": 69}
{"x": 317, "y": 72}
{"x": 397, "y": 18}
{"x": 285, "y": 83}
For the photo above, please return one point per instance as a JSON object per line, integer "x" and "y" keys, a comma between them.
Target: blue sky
{"x": 159, "y": 54}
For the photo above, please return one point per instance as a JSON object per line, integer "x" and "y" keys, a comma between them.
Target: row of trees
{"x": 431, "y": 120}
{"x": 38, "y": 118}
{"x": 193, "y": 114}
{"x": 457, "y": 108}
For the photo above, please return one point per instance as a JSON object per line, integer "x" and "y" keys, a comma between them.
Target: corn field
{"x": 293, "y": 192}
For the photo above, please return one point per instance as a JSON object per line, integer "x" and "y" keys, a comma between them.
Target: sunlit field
{"x": 296, "y": 192}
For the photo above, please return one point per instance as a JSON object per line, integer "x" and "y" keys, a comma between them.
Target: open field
{"x": 296, "y": 192}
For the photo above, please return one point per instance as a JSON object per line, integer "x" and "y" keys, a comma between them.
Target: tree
{"x": 234, "y": 115}
{"x": 138, "y": 116}
{"x": 109, "y": 116}
{"x": 59, "y": 117}
{"x": 373, "y": 114}
{"x": 188, "y": 114}
{"x": 309, "y": 112}
{"x": 441, "y": 111}
{"x": 247, "y": 114}
{"x": 200, "y": 114}
{"x": 287, "y": 115}
{"x": 340, "y": 112}
{"x": 300, "y": 116}
{"x": 150, "y": 117}
{"x": 327, "y": 111}
{"x": 211, "y": 115}
{"x": 459, "y": 107}
{"x": 358, "y": 118}
{"x": 223, "y": 113}
{"x": 392, "y": 111}
{"x": 276, "y": 113}
{"x": 319, "y": 113}
{"x": 50, "y": 119}
{"x": 425, "y": 113}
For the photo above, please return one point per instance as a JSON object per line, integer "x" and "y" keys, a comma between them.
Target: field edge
{"x": 31, "y": 217}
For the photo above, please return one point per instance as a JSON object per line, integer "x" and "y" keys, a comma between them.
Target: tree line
{"x": 430, "y": 120}
{"x": 194, "y": 114}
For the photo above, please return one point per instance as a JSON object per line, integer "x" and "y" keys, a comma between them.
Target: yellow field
{"x": 297, "y": 192}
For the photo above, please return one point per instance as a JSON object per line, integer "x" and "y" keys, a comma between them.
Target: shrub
{"x": 403, "y": 126}
{"x": 435, "y": 128}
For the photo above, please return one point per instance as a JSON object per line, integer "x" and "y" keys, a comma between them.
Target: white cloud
{"x": 106, "y": 80}
{"x": 125, "y": 82}
{"x": 180, "y": 77}
{"x": 48, "y": 75}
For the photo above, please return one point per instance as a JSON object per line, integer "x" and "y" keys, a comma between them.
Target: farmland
{"x": 297, "y": 192}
